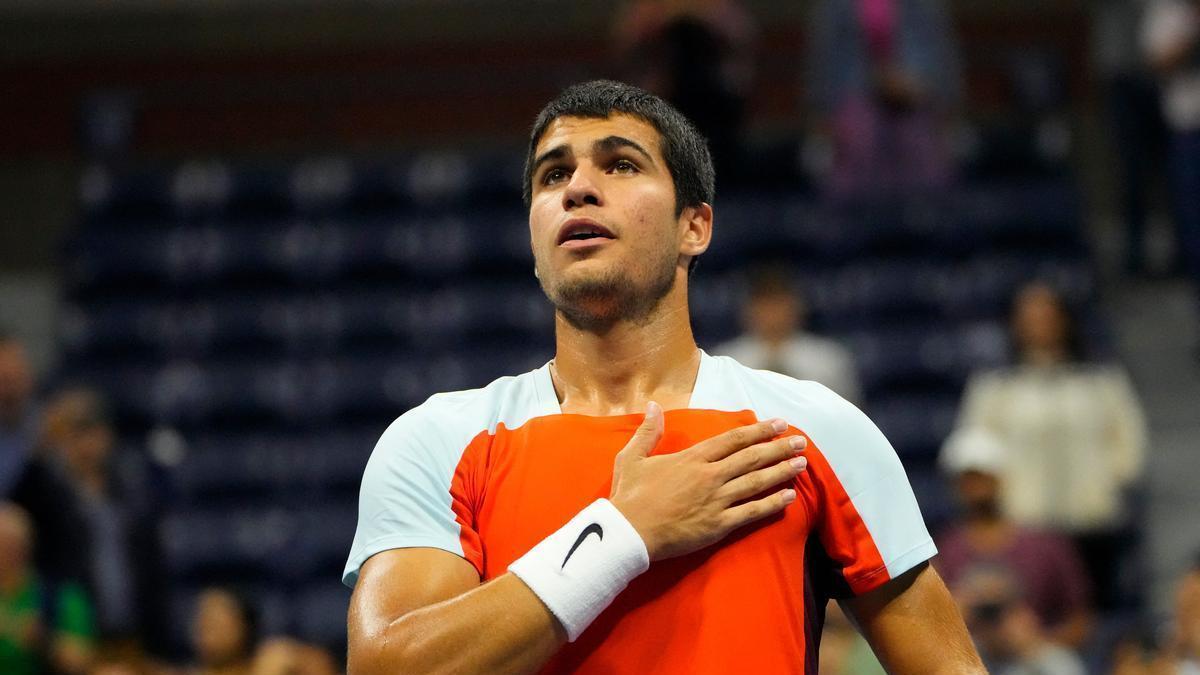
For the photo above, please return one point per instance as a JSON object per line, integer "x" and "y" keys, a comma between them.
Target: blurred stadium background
{"x": 264, "y": 229}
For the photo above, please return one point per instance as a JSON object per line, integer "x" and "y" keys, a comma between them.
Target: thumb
{"x": 648, "y": 433}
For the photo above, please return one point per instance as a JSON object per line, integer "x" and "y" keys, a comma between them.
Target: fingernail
{"x": 798, "y": 442}
{"x": 798, "y": 463}
{"x": 789, "y": 496}
{"x": 778, "y": 425}
{"x": 653, "y": 409}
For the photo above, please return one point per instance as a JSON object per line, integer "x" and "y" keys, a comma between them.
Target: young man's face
{"x": 606, "y": 240}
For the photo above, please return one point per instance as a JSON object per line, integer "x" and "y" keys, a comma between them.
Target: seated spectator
{"x": 1050, "y": 575}
{"x": 285, "y": 656}
{"x": 1185, "y": 635}
{"x": 1073, "y": 432}
{"x": 1178, "y": 651}
{"x": 44, "y": 624}
{"x": 884, "y": 83}
{"x": 1007, "y": 630}
{"x": 123, "y": 566}
{"x": 774, "y": 318}
{"x": 224, "y": 633}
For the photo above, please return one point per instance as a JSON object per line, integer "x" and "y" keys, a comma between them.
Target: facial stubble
{"x": 597, "y": 301}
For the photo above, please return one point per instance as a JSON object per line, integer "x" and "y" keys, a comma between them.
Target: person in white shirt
{"x": 774, "y": 318}
{"x": 1074, "y": 432}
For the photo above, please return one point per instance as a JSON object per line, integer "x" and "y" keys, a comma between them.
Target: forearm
{"x": 499, "y": 627}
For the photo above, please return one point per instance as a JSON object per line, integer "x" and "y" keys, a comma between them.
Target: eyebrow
{"x": 603, "y": 145}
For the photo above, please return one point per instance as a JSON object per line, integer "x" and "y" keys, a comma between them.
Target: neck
{"x": 618, "y": 370}
{"x": 1045, "y": 356}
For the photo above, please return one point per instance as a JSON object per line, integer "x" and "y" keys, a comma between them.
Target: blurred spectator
{"x": 1185, "y": 638}
{"x": 45, "y": 625}
{"x": 1050, "y": 575}
{"x": 1073, "y": 432}
{"x": 1134, "y": 117}
{"x": 1178, "y": 651}
{"x": 18, "y": 418}
{"x": 123, "y": 565}
{"x": 774, "y": 318}
{"x": 224, "y": 633}
{"x": 285, "y": 656}
{"x": 843, "y": 650}
{"x": 884, "y": 84}
{"x": 32, "y": 478}
{"x": 1171, "y": 36}
{"x": 1007, "y": 630}
{"x": 699, "y": 56}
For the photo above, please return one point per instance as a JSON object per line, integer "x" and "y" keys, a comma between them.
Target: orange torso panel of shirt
{"x": 735, "y": 606}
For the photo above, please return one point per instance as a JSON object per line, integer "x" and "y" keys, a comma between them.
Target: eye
{"x": 624, "y": 166}
{"x": 554, "y": 176}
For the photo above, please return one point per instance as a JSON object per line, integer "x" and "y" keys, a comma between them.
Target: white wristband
{"x": 578, "y": 570}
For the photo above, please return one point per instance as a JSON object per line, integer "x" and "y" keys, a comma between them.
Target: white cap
{"x": 973, "y": 449}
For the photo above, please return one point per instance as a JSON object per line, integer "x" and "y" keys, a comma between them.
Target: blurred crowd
{"x": 1046, "y": 460}
{"x": 81, "y": 581}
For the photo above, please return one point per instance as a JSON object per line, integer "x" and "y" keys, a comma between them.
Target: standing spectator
{"x": 1134, "y": 117}
{"x": 18, "y": 419}
{"x": 123, "y": 566}
{"x": 32, "y": 478}
{"x": 884, "y": 84}
{"x": 1073, "y": 432}
{"x": 44, "y": 624}
{"x": 699, "y": 55}
{"x": 1046, "y": 567}
{"x": 1171, "y": 36}
{"x": 224, "y": 633}
{"x": 774, "y": 319}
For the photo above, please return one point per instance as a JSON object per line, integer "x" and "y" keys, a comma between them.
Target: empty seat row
{"x": 323, "y": 184}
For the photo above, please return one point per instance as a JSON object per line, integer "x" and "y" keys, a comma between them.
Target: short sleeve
{"x": 864, "y": 513}
{"x": 413, "y": 493}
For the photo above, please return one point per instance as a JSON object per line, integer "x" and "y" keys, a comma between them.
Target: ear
{"x": 695, "y": 224}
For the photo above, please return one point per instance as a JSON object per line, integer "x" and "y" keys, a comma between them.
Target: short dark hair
{"x": 683, "y": 147}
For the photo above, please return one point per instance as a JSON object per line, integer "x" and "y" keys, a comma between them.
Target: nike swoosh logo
{"x": 595, "y": 529}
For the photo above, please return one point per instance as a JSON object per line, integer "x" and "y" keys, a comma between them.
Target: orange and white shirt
{"x": 486, "y": 474}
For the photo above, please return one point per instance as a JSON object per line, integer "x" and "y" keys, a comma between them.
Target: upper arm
{"x": 914, "y": 625}
{"x": 396, "y": 582}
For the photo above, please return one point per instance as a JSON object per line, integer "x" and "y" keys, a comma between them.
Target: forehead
{"x": 579, "y": 133}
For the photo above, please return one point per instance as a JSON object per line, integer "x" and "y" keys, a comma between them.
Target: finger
{"x": 722, "y": 445}
{"x": 648, "y": 433}
{"x": 759, "y": 455}
{"x": 758, "y": 509}
{"x": 757, "y": 482}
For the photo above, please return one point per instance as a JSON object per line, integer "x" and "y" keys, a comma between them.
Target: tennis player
{"x": 635, "y": 505}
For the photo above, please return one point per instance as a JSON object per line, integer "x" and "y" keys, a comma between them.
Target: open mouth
{"x": 575, "y": 232}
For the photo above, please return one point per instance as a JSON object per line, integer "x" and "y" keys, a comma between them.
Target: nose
{"x": 583, "y": 189}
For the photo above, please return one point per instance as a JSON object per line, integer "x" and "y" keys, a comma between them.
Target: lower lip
{"x": 584, "y": 243}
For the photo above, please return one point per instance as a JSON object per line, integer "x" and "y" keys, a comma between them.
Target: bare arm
{"x": 914, "y": 626}
{"x": 444, "y": 620}
{"x": 424, "y": 610}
